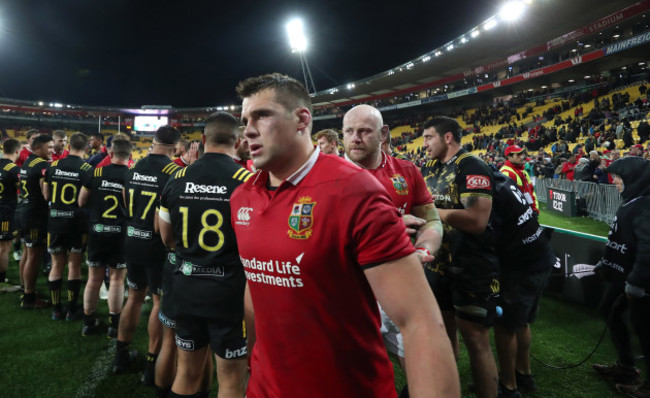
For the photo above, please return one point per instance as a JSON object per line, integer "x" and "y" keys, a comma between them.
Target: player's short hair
{"x": 41, "y": 140}
{"x": 59, "y": 133}
{"x": 185, "y": 143}
{"x": 167, "y": 135}
{"x": 221, "y": 128}
{"x": 10, "y": 146}
{"x": 444, "y": 125}
{"x": 288, "y": 91}
{"x": 330, "y": 134}
{"x": 78, "y": 141}
{"x": 121, "y": 146}
{"x": 31, "y": 133}
{"x": 97, "y": 134}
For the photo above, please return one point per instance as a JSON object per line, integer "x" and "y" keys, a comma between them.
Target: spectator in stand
{"x": 60, "y": 142}
{"x": 514, "y": 168}
{"x": 581, "y": 172}
{"x": 568, "y": 167}
{"x": 636, "y": 150}
{"x": 27, "y": 150}
{"x": 600, "y": 175}
{"x": 644, "y": 131}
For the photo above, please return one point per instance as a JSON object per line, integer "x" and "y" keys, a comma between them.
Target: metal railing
{"x": 602, "y": 200}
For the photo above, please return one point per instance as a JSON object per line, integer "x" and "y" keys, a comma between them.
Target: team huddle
{"x": 300, "y": 277}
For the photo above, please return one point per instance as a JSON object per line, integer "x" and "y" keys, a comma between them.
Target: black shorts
{"x": 226, "y": 336}
{"x": 73, "y": 241}
{"x": 106, "y": 250}
{"x": 140, "y": 276}
{"x": 520, "y": 292}
{"x": 7, "y": 225}
{"x": 32, "y": 226}
{"x": 473, "y": 300}
{"x": 167, "y": 313}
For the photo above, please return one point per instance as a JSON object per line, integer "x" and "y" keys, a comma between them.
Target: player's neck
{"x": 222, "y": 149}
{"x": 373, "y": 162}
{"x": 77, "y": 153}
{"x": 452, "y": 150}
{"x": 285, "y": 170}
{"x": 120, "y": 161}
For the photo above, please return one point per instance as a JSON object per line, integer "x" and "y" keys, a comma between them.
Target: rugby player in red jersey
{"x": 314, "y": 279}
{"x": 364, "y": 133}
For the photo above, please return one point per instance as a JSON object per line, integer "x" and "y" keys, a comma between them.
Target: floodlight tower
{"x": 298, "y": 43}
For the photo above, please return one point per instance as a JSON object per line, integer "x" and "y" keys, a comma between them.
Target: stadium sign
{"x": 635, "y": 41}
{"x": 563, "y": 202}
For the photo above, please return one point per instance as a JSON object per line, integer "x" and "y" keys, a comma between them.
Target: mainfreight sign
{"x": 635, "y": 41}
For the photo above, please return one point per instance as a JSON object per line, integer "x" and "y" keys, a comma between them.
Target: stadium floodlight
{"x": 463, "y": 40}
{"x": 426, "y": 59}
{"x": 491, "y": 24}
{"x": 512, "y": 10}
{"x": 450, "y": 47}
{"x": 475, "y": 33}
{"x": 350, "y": 86}
{"x": 298, "y": 43}
{"x": 297, "y": 39}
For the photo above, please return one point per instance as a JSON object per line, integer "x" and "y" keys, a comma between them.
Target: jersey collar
{"x": 302, "y": 172}
{"x": 297, "y": 176}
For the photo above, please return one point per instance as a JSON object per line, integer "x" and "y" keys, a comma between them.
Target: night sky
{"x": 191, "y": 53}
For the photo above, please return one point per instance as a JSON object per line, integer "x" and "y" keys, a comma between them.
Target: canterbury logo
{"x": 244, "y": 214}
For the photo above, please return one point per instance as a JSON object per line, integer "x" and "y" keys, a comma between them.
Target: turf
{"x": 581, "y": 224}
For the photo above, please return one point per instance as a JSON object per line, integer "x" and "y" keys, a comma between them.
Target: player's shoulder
{"x": 9, "y": 165}
{"x": 169, "y": 168}
{"x": 429, "y": 164}
{"x": 37, "y": 161}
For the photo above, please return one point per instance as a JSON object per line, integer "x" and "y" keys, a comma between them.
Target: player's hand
{"x": 193, "y": 153}
{"x": 412, "y": 223}
{"x": 424, "y": 255}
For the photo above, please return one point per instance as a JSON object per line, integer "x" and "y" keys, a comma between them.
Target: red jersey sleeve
{"x": 378, "y": 232}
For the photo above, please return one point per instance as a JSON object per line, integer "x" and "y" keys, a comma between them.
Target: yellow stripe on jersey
{"x": 170, "y": 168}
{"x": 242, "y": 175}
{"x": 10, "y": 166}
{"x": 163, "y": 208}
{"x": 98, "y": 172}
{"x": 35, "y": 162}
{"x": 237, "y": 173}
{"x": 55, "y": 163}
{"x": 85, "y": 167}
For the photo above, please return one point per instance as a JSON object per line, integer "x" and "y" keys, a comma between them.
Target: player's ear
{"x": 203, "y": 139}
{"x": 304, "y": 118}
{"x": 385, "y": 134}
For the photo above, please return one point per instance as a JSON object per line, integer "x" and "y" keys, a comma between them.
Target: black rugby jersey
{"x": 520, "y": 240}
{"x": 143, "y": 185}
{"x": 31, "y": 173}
{"x": 209, "y": 271}
{"x": 462, "y": 176}
{"x": 9, "y": 180}
{"x": 64, "y": 178}
{"x": 107, "y": 212}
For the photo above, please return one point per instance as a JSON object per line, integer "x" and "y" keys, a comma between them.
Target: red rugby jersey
{"x": 304, "y": 247}
{"x": 404, "y": 183}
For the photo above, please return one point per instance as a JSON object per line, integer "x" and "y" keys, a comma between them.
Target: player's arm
{"x": 45, "y": 189}
{"x": 429, "y": 235}
{"x": 84, "y": 197}
{"x": 249, "y": 318}
{"x": 165, "y": 227}
{"x": 401, "y": 288}
{"x": 473, "y": 218}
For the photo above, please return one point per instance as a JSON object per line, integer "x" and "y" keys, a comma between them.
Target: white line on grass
{"x": 98, "y": 372}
